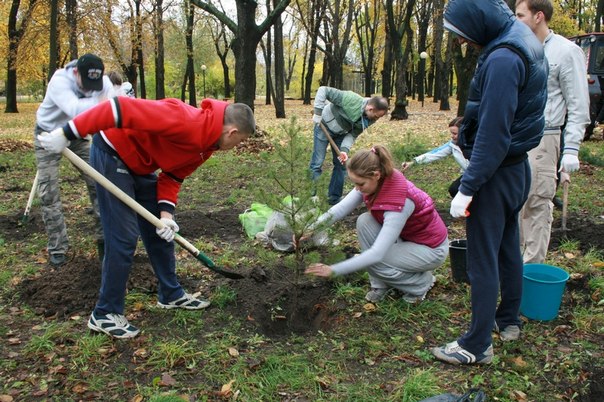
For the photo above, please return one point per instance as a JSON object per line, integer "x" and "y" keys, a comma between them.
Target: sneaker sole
{"x": 202, "y": 305}
{"x": 104, "y": 331}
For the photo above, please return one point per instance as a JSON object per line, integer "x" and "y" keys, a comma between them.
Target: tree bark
{"x": 53, "y": 52}
{"x": 366, "y": 25}
{"x": 15, "y": 35}
{"x": 190, "y": 73}
{"x": 160, "y": 89}
{"x": 464, "y": 69}
{"x": 219, "y": 35}
{"x": 71, "y": 15}
{"x": 279, "y": 68}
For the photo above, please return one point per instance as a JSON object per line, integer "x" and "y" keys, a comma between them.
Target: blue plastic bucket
{"x": 542, "y": 289}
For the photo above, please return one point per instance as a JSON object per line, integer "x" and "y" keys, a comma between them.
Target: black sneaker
{"x": 115, "y": 325}
{"x": 188, "y": 302}
{"x": 56, "y": 260}
{"x": 455, "y": 354}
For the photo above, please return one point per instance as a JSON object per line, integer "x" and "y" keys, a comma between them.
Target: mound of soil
{"x": 584, "y": 229}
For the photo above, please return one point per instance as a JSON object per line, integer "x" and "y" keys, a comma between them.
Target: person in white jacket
{"x": 73, "y": 89}
{"x": 567, "y": 96}
{"x": 446, "y": 149}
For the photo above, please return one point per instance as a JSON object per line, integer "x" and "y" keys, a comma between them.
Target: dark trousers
{"x": 122, "y": 227}
{"x": 494, "y": 261}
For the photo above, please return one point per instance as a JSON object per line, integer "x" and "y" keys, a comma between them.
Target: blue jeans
{"x": 336, "y": 184}
{"x": 122, "y": 227}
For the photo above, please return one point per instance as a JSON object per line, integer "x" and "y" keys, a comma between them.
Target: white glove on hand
{"x": 316, "y": 118}
{"x": 169, "y": 231}
{"x": 570, "y": 163}
{"x": 460, "y": 205}
{"x": 55, "y": 141}
{"x": 343, "y": 157}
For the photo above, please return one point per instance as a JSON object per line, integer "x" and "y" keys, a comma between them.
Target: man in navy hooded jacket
{"x": 503, "y": 120}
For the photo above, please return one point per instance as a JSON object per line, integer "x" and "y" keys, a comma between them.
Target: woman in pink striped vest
{"x": 402, "y": 237}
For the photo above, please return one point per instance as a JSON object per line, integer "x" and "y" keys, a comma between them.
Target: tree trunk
{"x": 247, "y": 36}
{"x": 71, "y": 15}
{"x": 397, "y": 32}
{"x": 464, "y": 69}
{"x": 446, "y": 73}
{"x": 53, "y": 54}
{"x": 366, "y": 25}
{"x": 218, "y": 37}
{"x": 279, "y": 68}
{"x": 138, "y": 49}
{"x": 190, "y": 10}
{"x": 15, "y": 35}
{"x": 387, "y": 65}
{"x": 160, "y": 90}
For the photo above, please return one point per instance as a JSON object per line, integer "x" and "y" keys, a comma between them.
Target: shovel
{"x": 30, "y": 200}
{"x": 331, "y": 141}
{"x": 126, "y": 199}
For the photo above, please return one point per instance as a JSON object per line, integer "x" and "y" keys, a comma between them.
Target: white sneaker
{"x": 376, "y": 294}
{"x": 115, "y": 325}
{"x": 188, "y": 302}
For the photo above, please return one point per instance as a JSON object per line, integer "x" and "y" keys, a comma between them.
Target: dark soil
{"x": 274, "y": 306}
{"x": 584, "y": 229}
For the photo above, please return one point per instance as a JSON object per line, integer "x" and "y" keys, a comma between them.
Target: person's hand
{"x": 316, "y": 118}
{"x": 460, "y": 205}
{"x": 319, "y": 269}
{"x": 343, "y": 157}
{"x": 569, "y": 163}
{"x": 55, "y": 141}
{"x": 168, "y": 231}
{"x": 564, "y": 177}
{"x": 406, "y": 166}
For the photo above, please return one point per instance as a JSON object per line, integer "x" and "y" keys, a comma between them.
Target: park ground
{"x": 274, "y": 335}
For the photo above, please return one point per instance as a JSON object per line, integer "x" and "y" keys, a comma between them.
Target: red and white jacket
{"x": 148, "y": 135}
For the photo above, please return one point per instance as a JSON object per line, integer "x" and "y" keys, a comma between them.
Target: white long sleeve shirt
{"x": 443, "y": 151}
{"x": 567, "y": 91}
{"x": 64, "y": 99}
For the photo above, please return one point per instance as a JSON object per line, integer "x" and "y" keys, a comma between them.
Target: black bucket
{"x": 457, "y": 257}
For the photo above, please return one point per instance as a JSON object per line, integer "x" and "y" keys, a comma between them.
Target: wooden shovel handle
{"x": 331, "y": 141}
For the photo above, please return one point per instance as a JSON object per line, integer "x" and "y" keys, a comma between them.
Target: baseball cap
{"x": 91, "y": 68}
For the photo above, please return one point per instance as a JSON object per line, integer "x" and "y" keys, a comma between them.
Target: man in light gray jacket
{"x": 345, "y": 115}
{"x": 567, "y": 95}
{"x": 71, "y": 90}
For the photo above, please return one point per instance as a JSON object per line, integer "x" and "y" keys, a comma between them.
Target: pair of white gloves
{"x": 461, "y": 202}
{"x": 56, "y": 142}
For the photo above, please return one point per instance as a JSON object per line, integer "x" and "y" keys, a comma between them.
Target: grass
{"x": 369, "y": 353}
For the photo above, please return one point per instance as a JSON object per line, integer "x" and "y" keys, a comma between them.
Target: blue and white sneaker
{"x": 115, "y": 325}
{"x": 188, "y": 302}
{"x": 455, "y": 354}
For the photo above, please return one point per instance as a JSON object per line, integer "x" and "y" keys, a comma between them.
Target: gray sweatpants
{"x": 407, "y": 266}
{"x": 49, "y": 192}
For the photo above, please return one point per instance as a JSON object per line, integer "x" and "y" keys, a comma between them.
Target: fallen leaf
{"x": 14, "y": 341}
{"x": 75, "y": 317}
{"x": 598, "y": 264}
{"x": 420, "y": 339}
{"x": 137, "y": 398}
{"x": 369, "y": 307}
{"x": 519, "y": 395}
{"x": 519, "y": 362}
{"x": 167, "y": 380}
{"x": 80, "y": 388}
{"x": 570, "y": 256}
{"x": 357, "y": 315}
{"x": 233, "y": 352}
{"x": 6, "y": 398}
{"x": 226, "y": 389}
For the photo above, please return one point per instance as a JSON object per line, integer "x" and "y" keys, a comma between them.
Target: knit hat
{"x": 91, "y": 68}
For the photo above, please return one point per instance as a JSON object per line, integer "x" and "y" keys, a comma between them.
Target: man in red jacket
{"x": 136, "y": 138}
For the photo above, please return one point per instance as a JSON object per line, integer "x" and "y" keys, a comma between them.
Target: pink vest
{"x": 424, "y": 226}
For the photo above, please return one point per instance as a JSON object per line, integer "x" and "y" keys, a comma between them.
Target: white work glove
{"x": 169, "y": 231}
{"x": 460, "y": 205}
{"x": 569, "y": 164}
{"x": 343, "y": 157}
{"x": 316, "y": 118}
{"x": 55, "y": 141}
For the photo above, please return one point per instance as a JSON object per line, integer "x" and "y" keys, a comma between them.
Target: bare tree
{"x": 247, "y": 36}
{"x": 465, "y": 63}
{"x": 366, "y": 23}
{"x": 399, "y": 26}
{"x": 336, "y": 36}
{"x": 310, "y": 15}
{"x": 222, "y": 44}
{"x": 71, "y": 16}
{"x": 160, "y": 88}
{"x": 189, "y": 77}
